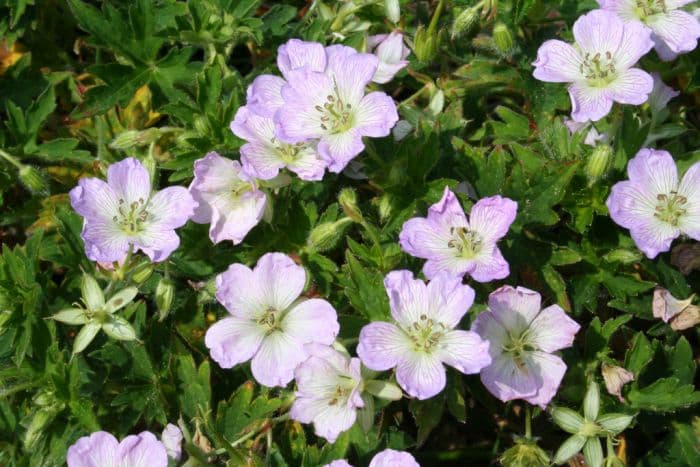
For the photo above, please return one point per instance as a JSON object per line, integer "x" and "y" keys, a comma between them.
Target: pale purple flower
{"x": 338, "y": 463}
{"x": 653, "y": 205}
{"x": 264, "y": 154}
{"x": 101, "y": 449}
{"x": 392, "y": 458}
{"x": 674, "y": 31}
{"x": 229, "y": 198}
{"x": 172, "y": 440}
{"x": 599, "y": 65}
{"x": 423, "y": 335}
{"x": 522, "y": 338}
{"x": 124, "y": 212}
{"x": 660, "y": 94}
{"x": 592, "y": 136}
{"x": 331, "y": 106}
{"x": 452, "y": 243}
{"x": 328, "y": 391}
{"x": 391, "y": 52}
{"x": 269, "y": 323}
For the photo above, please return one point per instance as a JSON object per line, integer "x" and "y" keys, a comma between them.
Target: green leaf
{"x": 427, "y": 414}
{"x": 365, "y": 290}
{"x": 682, "y": 362}
{"x": 639, "y": 355}
{"x": 664, "y": 395}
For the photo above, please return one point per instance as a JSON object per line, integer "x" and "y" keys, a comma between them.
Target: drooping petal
{"x": 376, "y": 115}
{"x": 589, "y": 103}
{"x": 382, "y": 345}
{"x": 130, "y": 181}
{"x": 313, "y": 320}
{"x": 514, "y": 308}
{"x": 281, "y": 279}
{"x": 507, "y": 380}
{"x": 553, "y": 329}
{"x": 233, "y": 217}
{"x": 296, "y": 53}
{"x": 264, "y": 95}
{"x": 421, "y": 375}
{"x": 491, "y": 217}
{"x": 489, "y": 265}
{"x": 233, "y": 340}
{"x": 465, "y": 351}
{"x": 94, "y": 199}
{"x": 631, "y": 87}
{"x": 450, "y": 299}
{"x": 550, "y": 370}
{"x": 278, "y": 356}
{"x": 660, "y": 94}
{"x": 678, "y": 30}
{"x": 690, "y": 189}
{"x": 635, "y": 43}
{"x": 557, "y": 62}
{"x": 392, "y": 458}
{"x": 100, "y": 449}
{"x": 171, "y": 208}
{"x": 143, "y": 450}
{"x": 338, "y": 149}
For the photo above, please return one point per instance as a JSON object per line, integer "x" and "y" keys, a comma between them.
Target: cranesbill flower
{"x": 264, "y": 154}
{"x": 423, "y": 335}
{"x": 269, "y": 323}
{"x": 101, "y": 449}
{"x": 674, "y": 31}
{"x": 452, "y": 243}
{"x": 229, "y": 198}
{"x": 599, "y": 64}
{"x": 653, "y": 205}
{"x": 386, "y": 458}
{"x": 391, "y": 52}
{"x": 332, "y": 106}
{"x": 328, "y": 391}
{"x": 124, "y": 213}
{"x": 172, "y": 440}
{"x": 522, "y": 338}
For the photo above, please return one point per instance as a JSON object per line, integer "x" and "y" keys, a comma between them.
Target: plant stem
{"x": 436, "y": 17}
{"x": 11, "y": 159}
{"x": 528, "y": 422}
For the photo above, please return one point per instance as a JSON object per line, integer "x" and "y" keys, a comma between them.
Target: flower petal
{"x": 94, "y": 199}
{"x": 350, "y": 72}
{"x": 298, "y": 119}
{"x": 421, "y": 375}
{"x": 171, "y": 208}
{"x": 278, "y": 356}
{"x": 553, "y": 329}
{"x": 489, "y": 265}
{"x": 376, "y": 115}
{"x": 492, "y": 331}
{"x": 213, "y": 175}
{"x": 690, "y": 188}
{"x": 233, "y": 340}
{"x": 340, "y": 148}
{"x": 557, "y": 62}
{"x": 507, "y": 380}
{"x": 308, "y": 165}
{"x": 514, "y": 308}
{"x": 264, "y": 95}
{"x": 382, "y": 345}
{"x": 240, "y": 292}
{"x": 655, "y": 170}
{"x": 598, "y": 31}
{"x": 589, "y": 103}
{"x": 313, "y": 320}
{"x": 678, "y": 30}
{"x": 157, "y": 243}
{"x": 550, "y": 369}
{"x": 296, "y": 54}
{"x": 465, "y": 351}
{"x": 491, "y": 217}
{"x": 104, "y": 241}
{"x": 143, "y": 450}
{"x": 631, "y": 87}
{"x": 130, "y": 181}
{"x": 449, "y": 299}
{"x": 233, "y": 218}
{"x": 281, "y": 279}
{"x": 408, "y": 297}
{"x": 635, "y": 43}
{"x": 100, "y": 449}
{"x": 392, "y": 458}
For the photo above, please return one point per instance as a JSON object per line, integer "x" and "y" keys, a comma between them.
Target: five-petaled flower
{"x": 123, "y": 213}
{"x": 385, "y": 458}
{"x": 101, "y": 449}
{"x": 269, "y": 323}
{"x": 522, "y": 338}
{"x": 599, "y": 65}
{"x": 328, "y": 391}
{"x": 452, "y": 243}
{"x": 653, "y": 205}
{"x": 423, "y": 335}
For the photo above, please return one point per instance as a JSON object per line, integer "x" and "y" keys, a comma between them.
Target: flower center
{"x": 466, "y": 242}
{"x": 598, "y": 69}
{"x": 337, "y": 116}
{"x": 646, "y": 8}
{"x": 239, "y": 188}
{"x": 670, "y": 208}
{"x": 518, "y": 347}
{"x": 131, "y": 217}
{"x": 270, "y": 321}
{"x": 289, "y": 153}
{"x": 342, "y": 391}
{"x": 425, "y": 334}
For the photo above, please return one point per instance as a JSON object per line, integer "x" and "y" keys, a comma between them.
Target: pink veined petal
{"x": 490, "y": 265}
{"x": 654, "y": 237}
{"x": 296, "y": 54}
{"x": 213, "y": 174}
{"x": 233, "y": 340}
{"x": 625, "y": 9}
{"x": 143, "y": 450}
{"x": 448, "y": 212}
{"x": 390, "y": 48}
{"x": 589, "y": 103}
{"x": 351, "y": 72}
{"x": 264, "y": 95}
{"x": 171, "y": 207}
{"x": 281, "y": 279}
{"x": 308, "y": 164}
{"x": 655, "y": 170}
{"x": 278, "y": 356}
{"x": 421, "y": 375}
{"x": 450, "y": 299}
{"x": 252, "y": 127}
{"x": 553, "y": 329}
{"x": 172, "y": 440}
{"x": 340, "y": 148}
{"x": 551, "y": 369}
{"x": 239, "y": 291}
{"x": 130, "y": 181}
{"x": 423, "y": 239}
{"x": 392, "y": 458}
{"x": 491, "y": 217}
{"x": 233, "y": 218}
{"x": 104, "y": 241}
{"x": 93, "y": 198}
{"x": 663, "y": 50}
{"x": 678, "y": 30}
{"x": 298, "y": 119}
{"x": 313, "y": 320}
{"x": 408, "y": 297}
{"x": 690, "y": 188}
{"x": 660, "y": 94}
{"x": 333, "y": 420}
{"x": 382, "y": 345}
{"x": 453, "y": 265}
{"x": 157, "y": 243}
{"x": 338, "y": 463}
{"x": 376, "y": 115}
{"x": 507, "y": 381}
{"x": 514, "y": 308}
{"x": 635, "y": 43}
{"x": 465, "y": 351}
{"x": 557, "y": 62}
{"x": 100, "y": 449}
{"x": 598, "y": 31}
{"x": 386, "y": 71}
{"x": 492, "y": 331}
{"x": 261, "y": 161}
{"x": 631, "y": 87}
{"x": 631, "y": 204}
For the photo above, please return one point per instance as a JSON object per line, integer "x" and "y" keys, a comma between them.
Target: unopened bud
{"x": 33, "y": 180}
{"x": 437, "y": 102}
{"x": 503, "y": 39}
{"x": 383, "y": 390}
{"x": 426, "y": 44}
{"x": 622, "y": 255}
{"x": 348, "y": 201}
{"x": 165, "y": 290}
{"x": 464, "y": 23}
{"x": 598, "y": 163}
{"x": 325, "y": 236}
{"x": 142, "y": 272}
{"x": 134, "y": 138}
{"x": 392, "y": 10}
{"x": 525, "y": 453}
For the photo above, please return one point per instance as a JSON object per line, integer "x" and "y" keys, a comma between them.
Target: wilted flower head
{"x": 328, "y": 391}
{"x": 391, "y": 52}
{"x": 124, "y": 212}
{"x": 522, "y": 338}
{"x": 229, "y": 198}
{"x": 101, "y": 449}
{"x": 423, "y": 335}
{"x": 674, "y": 31}
{"x": 269, "y": 323}
{"x": 172, "y": 440}
{"x": 653, "y": 205}
{"x": 452, "y": 243}
{"x": 615, "y": 377}
{"x": 599, "y": 65}
{"x": 681, "y": 314}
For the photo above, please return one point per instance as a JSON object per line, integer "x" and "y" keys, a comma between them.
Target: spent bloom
{"x": 653, "y": 205}
{"x": 328, "y": 391}
{"x": 598, "y": 65}
{"x": 331, "y": 105}
{"x": 269, "y": 323}
{"x": 522, "y": 338}
{"x": 101, "y": 449}
{"x": 124, "y": 213}
{"x": 229, "y": 198}
{"x": 391, "y": 52}
{"x": 172, "y": 440}
{"x": 615, "y": 377}
{"x": 452, "y": 243}
{"x": 674, "y": 31}
{"x": 423, "y": 336}
{"x": 680, "y": 314}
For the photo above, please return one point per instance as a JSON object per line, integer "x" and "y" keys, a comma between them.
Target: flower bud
{"x": 598, "y": 163}
{"x": 615, "y": 378}
{"x": 142, "y": 272}
{"x": 503, "y": 39}
{"x": 392, "y": 10}
{"x": 391, "y": 52}
{"x": 464, "y": 22}
{"x": 325, "y": 236}
{"x": 437, "y": 102}
{"x": 172, "y": 440}
{"x": 348, "y": 201}
{"x": 624, "y": 256}
{"x": 134, "y": 138}
{"x": 426, "y": 44}
{"x": 383, "y": 390}
{"x": 33, "y": 180}
{"x": 165, "y": 290}
{"x": 525, "y": 453}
